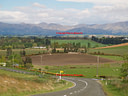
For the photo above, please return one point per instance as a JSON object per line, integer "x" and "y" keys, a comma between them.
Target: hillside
{"x": 116, "y": 49}
{"x": 118, "y": 45}
{"x": 16, "y": 84}
{"x": 24, "y": 29}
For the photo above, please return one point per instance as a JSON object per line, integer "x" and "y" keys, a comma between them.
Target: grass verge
{"x": 15, "y": 84}
{"x": 115, "y": 88}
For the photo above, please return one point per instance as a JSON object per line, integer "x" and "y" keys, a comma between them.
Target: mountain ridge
{"x": 119, "y": 28}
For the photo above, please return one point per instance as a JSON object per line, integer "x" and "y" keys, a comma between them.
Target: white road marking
{"x": 75, "y": 86}
{"x": 85, "y": 83}
{"x": 72, "y": 82}
{"x": 71, "y": 93}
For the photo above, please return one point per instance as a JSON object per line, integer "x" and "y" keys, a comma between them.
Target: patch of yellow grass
{"x": 13, "y": 85}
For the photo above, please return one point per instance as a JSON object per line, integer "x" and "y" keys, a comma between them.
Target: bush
{"x": 124, "y": 69}
{"x": 46, "y": 67}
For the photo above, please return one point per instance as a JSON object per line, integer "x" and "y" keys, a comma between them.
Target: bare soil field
{"x": 123, "y": 44}
{"x": 67, "y": 59}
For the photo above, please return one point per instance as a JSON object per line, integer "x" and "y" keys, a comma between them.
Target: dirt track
{"x": 67, "y": 59}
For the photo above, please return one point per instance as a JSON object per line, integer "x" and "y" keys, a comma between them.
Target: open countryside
{"x": 72, "y": 60}
{"x": 63, "y": 48}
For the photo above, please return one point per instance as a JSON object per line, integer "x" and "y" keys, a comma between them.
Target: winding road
{"x": 82, "y": 87}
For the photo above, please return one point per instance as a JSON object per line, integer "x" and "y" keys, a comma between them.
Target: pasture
{"x": 83, "y": 42}
{"x": 122, "y": 50}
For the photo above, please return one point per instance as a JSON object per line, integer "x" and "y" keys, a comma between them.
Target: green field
{"x": 83, "y": 42}
{"x": 115, "y": 58}
{"x": 28, "y": 51}
{"x": 89, "y": 71}
{"x": 122, "y": 50}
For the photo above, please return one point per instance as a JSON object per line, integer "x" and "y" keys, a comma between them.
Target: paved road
{"x": 82, "y": 87}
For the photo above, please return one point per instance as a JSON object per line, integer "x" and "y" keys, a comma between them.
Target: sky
{"x": 65, "y": 12}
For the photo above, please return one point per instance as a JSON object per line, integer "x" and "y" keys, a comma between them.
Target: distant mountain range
{"x": 120, "y": 28}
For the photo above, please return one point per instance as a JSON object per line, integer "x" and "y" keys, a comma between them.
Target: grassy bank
{"x": 115, "y": 88}
{"x": 122, "y": 50}
{"x": 15, "y": 84}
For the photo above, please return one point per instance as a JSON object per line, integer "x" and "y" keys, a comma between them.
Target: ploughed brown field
{"x": 67, "y": 59}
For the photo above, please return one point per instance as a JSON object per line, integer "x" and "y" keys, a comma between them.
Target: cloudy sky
{"x": 66, "y": 12}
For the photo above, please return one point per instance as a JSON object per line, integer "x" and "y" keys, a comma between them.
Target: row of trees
{"x": 70, "y": 47}
{"x": 21, "y": 43}
{"x": 124, "y": 69}
{"x": 103, "y": 40}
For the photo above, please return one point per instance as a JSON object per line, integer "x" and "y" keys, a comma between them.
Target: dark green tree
{"x": 54, "y": 50}
{"x": 28, "y": 63}
{"x": 89, "y": 45}
{"x": 9, "y": 51}
{"x": 47, "y": 42}
{"x": 124, "y": 69}
{"x": 65, "y": 51}
{"x": 85, "y": 49}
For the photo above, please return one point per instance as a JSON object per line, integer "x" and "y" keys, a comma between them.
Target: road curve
{"x": 82, "y": 87}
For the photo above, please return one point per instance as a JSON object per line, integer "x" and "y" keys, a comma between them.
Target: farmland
{"x": 77, "y": 64}
{"x": 70, "y": 62}
{"x": 29, "y": 51}
{"x": 67, "y": 59}
{"x": 122, "y": 50}
{"x": 83, "y": 42}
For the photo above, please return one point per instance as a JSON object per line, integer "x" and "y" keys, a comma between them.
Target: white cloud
{"x": 12, "y": 16}
{"x": 98, "y": 14}
{"x": 43, "y": 15}
{"x": 99, "y": 1}
{"x": 39, "y": 5}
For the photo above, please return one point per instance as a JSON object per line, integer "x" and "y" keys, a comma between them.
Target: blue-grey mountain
{"x": 120, "y": 28}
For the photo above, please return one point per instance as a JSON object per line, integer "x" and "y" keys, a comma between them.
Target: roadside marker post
{"x": 98, "y": 61}
{"x": 61, "y": 73}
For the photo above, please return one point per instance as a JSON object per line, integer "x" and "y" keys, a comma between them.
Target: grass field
{"x": 28, "y": 51}
{"x": 115, "y": 58}
{"x": 122, "y": 50}
{"x": 90, "y": 71}
{"x": 83, "y": 42}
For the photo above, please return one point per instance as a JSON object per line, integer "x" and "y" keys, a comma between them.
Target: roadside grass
{"x": 117, "y": 89}
{"x": 15, "y": 84}
{"x": 122, "y": 50}
{"x": 83, "y": 42}
{"x": 24, "y": 76}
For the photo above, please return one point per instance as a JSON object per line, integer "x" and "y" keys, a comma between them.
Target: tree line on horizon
{"x": 108, "y": 40}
